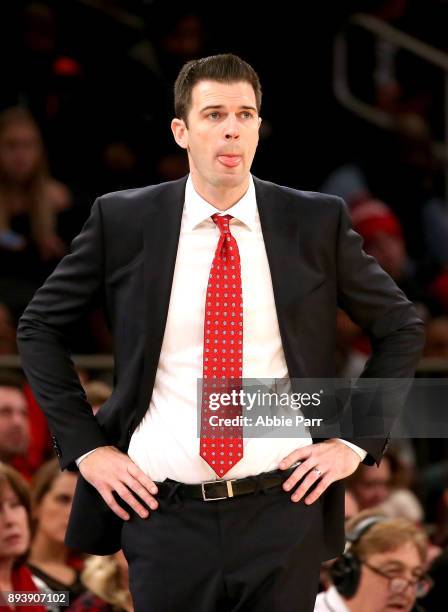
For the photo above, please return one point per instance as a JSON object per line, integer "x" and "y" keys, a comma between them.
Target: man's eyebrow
{"x": 395, "y": 564}
{"x": 218, "y": 106}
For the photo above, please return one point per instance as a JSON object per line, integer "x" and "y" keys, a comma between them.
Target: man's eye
{"x": 393, "y": 574}
{"x": 214, "y": 115}
{"x": 246, "y": 115}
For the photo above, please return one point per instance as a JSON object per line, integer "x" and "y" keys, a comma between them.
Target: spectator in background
{"x": 39, "y": 448}
{"x": 30, "y": 202}
{"x": 107, "y": 581}
{"x": 406, "y": 175}
{"x": 15, "y": 524}
{"x": 384, "y": 240}
{"x": 382, "y": 233}
{"x": 382, "y": 569}
{"x": 409, "y": 180}
{"x": 26, "y": 186}
{"x": 437, "y": 338}
{"x": 370, "y": 485}
{"x": 49, "y": 81}
{"x": 387, "y": 489}
{"x": 24, "y": 436}
{"x": 52, "y": 495}
{"x": 14, "y": 422}
{"x": 401, "y": 501}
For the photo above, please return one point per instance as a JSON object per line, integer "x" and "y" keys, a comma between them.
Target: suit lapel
{"x": 292, "y": 279}
{"x": 283, "y": 228}
{"x": 161, "y": 229}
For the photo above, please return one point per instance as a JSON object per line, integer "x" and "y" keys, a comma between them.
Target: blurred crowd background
{"x": 85, "y": 108}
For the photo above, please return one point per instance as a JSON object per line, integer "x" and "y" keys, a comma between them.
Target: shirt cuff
{"x": 79, "y": 459}
{"x": 360, "y": 451}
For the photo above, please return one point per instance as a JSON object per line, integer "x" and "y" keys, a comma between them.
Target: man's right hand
{"x": 108, "y": 470}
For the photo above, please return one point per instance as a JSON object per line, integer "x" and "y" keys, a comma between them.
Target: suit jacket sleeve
{"x": 373, "y": 301}
{"x": 42, "y": 340}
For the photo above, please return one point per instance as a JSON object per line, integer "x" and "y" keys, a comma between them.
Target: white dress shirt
{"x": 330, "y": 601}
{"x": 166, "y": 443}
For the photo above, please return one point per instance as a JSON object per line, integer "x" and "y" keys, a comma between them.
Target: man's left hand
{"x": 326, "y": 461}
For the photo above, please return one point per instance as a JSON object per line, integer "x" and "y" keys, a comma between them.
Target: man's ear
{"x": 180, "y": 132}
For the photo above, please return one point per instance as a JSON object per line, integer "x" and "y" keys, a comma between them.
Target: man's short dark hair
{"x": 224, "y": 68}
{"x": 11, "y": 378}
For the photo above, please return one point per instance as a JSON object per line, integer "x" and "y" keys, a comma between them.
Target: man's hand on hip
{"x": 325, "y": 462}
{"x": 109, "y": 470}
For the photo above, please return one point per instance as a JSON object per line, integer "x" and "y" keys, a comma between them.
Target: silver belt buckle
{"x": 229, "y": 489}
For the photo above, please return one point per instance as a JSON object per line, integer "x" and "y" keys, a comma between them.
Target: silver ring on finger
{"x": 318, "y": 472}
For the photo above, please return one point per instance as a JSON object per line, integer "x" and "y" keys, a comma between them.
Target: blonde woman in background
{"x": 106, "y": 579}
{"x": 30, "y": 202}
{"x": 26, "y": 187}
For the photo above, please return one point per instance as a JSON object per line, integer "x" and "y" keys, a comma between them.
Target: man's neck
{"x": 358, "y": 603}
{"x": 221, "y": 198}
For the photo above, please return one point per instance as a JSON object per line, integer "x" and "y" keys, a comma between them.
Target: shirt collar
{"x": 198, "y": 210}
{"x": 334, "y": 600}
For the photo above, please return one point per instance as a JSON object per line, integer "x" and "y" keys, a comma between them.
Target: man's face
{"x": 403, "y": 562}
{"x": 221, "y": 134}
{"x": 372, "y": 486}
{"x": 14, "y": 423}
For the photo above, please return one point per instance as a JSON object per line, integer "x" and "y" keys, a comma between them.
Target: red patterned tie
{"x": 222, "y": 447}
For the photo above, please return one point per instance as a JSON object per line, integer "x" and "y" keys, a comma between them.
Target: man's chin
{"x": 232, "y": 177}
{"x": 14, "y": 452}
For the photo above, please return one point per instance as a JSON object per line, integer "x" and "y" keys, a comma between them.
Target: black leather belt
{"x": 214, "y": 490}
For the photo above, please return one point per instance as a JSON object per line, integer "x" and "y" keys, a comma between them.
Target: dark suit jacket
{"x": 125, "y": 255}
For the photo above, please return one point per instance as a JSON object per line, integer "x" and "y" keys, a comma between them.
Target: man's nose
{"x": 231, "y": 128}
{"x": 19, "y": 420}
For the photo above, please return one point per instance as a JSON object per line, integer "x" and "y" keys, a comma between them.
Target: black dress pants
{"x": 259, "y": 552}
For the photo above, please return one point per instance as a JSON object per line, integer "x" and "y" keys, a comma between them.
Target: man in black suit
{"x": 216, "y": 273}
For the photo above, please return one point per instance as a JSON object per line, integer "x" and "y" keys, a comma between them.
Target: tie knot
{"x": 222, "y": 221}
